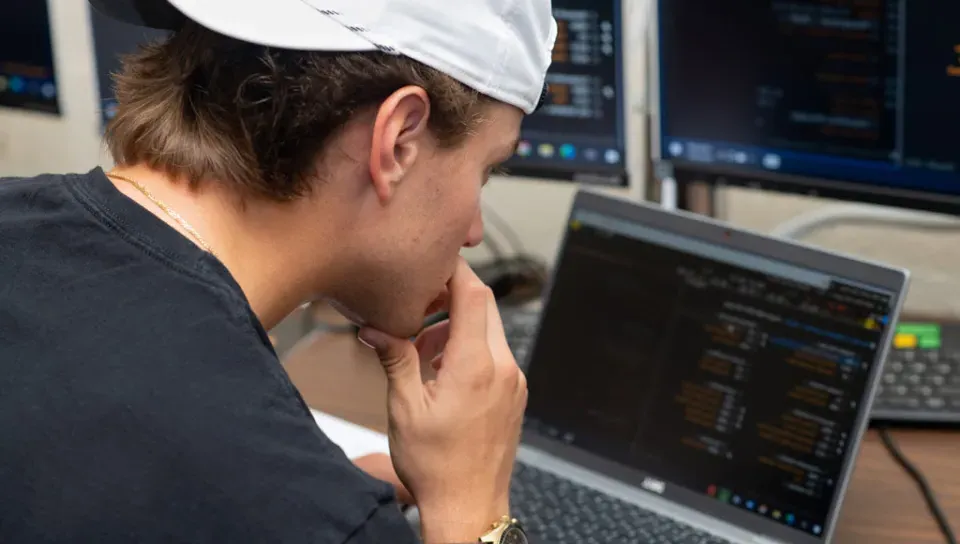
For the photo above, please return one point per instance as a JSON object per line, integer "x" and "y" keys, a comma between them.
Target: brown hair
{"x": 200, "y": 106}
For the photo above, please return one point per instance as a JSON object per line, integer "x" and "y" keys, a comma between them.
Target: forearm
{"x": 454, "y": 524}
{"x": 380, "y": 467}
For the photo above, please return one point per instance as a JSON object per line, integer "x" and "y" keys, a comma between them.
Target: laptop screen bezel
{"x": 703, "y": 229}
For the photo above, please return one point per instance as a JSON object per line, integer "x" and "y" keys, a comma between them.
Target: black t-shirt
{"x": 140, "y": 398}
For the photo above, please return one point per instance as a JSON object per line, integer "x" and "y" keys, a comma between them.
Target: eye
{"x": 499, "y": 170}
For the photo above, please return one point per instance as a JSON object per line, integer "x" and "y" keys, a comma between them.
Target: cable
{"x": 520, "y": 258}
{"x": 928, "y": 495}
{"x": 668, "y": 194}
{"x": 496, "y": 251}
{"x": 503, "y": 227}
{"x": 805, "y": 224}
{"x": 639, "y": 13}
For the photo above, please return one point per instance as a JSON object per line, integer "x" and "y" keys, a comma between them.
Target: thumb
{"x": 398, "y": 356}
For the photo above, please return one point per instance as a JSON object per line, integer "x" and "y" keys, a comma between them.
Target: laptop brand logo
{"x": 655, "y": 486}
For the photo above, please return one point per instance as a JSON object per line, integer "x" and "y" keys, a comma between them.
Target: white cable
{"x": 638, "y": 13}
{"x": 668, "y": 194}
{"x": 805, "y": 224}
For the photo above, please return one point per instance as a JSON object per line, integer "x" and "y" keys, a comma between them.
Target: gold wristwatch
{"x": 505, "y": 531}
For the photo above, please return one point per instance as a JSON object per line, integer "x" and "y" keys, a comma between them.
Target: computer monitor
{"x": 846, "y": 99}
{"x": 579, "y": 135}
{"x": 111, "y": 40}
{"x": 27, "y": 72}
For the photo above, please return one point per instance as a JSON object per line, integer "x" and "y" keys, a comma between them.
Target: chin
{"x": 402, "y": 326}
{"x": 396, "y": 324}
{"x": 346, "y": 312}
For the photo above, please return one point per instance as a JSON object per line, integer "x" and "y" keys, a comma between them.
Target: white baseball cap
{"x": 501, "y": 48}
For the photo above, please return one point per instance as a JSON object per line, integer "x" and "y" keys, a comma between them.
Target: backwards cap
{"x": 501, "y": 48}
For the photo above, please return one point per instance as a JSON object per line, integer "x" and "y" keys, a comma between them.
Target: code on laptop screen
{"x": 721, "y": 372}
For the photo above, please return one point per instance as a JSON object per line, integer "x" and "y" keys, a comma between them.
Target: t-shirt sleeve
{"x": 248, "y": 463}
{"x": 383, "y": 526}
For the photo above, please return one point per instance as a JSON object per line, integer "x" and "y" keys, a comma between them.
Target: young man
{"x": 268, "y": 153}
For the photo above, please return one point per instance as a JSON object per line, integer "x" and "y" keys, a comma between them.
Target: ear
{"x": 400, "y": 132}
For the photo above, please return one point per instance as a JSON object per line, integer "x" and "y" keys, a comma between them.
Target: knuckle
{"x": 391, "y": 361}
{"x": 484, "y": 376}
{"x": 512, "y": 376}
{"x": 522, "y": 381}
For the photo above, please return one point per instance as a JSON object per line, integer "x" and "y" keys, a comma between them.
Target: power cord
{"x": 928, "y": 495}
{"x": 518, "y": 278}
{"x": 520, "y": 255}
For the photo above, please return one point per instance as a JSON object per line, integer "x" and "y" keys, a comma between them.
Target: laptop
{"x": 695, "y": 383}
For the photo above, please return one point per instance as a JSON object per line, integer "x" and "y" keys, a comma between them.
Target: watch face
{"x": 514, "y": 535}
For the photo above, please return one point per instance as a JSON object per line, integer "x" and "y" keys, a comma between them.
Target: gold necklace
{"x": 168, "y": 210}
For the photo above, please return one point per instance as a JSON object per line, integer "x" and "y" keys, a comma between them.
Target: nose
{"x": 475, "y": 234}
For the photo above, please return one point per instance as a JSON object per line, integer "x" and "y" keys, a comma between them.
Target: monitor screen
{"x": 111, "y": 40}
{"x": 579, "y": 134}
{"x": 855, "y": 99}
{"x": 735, "y": 377}
{"x": 27, "y": 72}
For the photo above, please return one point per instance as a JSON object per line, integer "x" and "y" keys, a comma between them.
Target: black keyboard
{"x": 555, "y": 510}
{"x": 921, "y": 377}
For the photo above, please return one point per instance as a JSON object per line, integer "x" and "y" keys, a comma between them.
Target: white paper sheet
{"x": 355, "y": 440}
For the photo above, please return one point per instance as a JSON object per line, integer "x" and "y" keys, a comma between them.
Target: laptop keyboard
{"x": 520, "y": 327}
{"x": 555, "y": 510}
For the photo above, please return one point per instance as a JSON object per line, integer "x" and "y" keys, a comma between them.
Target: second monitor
{"x": 579, "y": 135}
{"x": 850, "y": 99}
{"x": 111, "y": 41}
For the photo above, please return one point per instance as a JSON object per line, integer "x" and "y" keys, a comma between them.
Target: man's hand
{"x": 455, "y": 400}
{"x": 380, "y": 467}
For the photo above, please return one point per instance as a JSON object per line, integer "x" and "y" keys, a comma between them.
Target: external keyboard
{"x": 921, "y": 377}
{"x": 557, "y": 511}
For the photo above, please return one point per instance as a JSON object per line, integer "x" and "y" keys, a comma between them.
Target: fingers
{"x": 469, "y": 303}
{"x": 440, "y": 304}
{"x": 400, "y": 361}
{"x": 496, "y": 337}
{"x": 433, "y": 340}
{"x": 430, "y": 345}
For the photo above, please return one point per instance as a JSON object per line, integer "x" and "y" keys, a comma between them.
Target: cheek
{"x": 465, "y": 214}
{"x": 460, "y": 202}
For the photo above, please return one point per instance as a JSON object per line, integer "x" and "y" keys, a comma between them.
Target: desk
{"x": 883, "y": 505}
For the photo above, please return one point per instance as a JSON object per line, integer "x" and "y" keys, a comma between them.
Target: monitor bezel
{"x": 49, "y": 107}
{"x": 712, "y": 231}
{"x": 576, "y": 172}
{"x": 719, "y": 175}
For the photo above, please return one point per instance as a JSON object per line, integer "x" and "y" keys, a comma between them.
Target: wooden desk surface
{"x": 883, "y": 505}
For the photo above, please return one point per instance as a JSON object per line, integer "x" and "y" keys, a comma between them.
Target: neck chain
{"x": 169, "y": 211}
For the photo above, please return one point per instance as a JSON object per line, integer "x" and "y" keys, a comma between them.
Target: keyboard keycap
{"x": 556, "y": 510}
{"x": 920, "y": 384}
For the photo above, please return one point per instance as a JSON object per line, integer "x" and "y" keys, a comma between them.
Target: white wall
{"x": 33, "y": 143}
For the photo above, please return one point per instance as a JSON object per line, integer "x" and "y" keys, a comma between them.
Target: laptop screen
{"x": 726, "y": 373}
